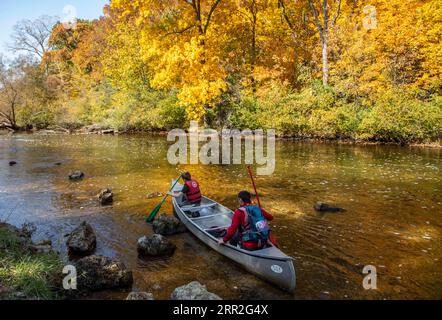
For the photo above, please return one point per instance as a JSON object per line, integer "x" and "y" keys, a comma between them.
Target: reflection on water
{"x": 392, "y": 196}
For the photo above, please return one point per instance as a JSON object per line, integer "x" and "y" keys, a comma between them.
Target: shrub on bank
{"x": 314, "y": 111}
{"x": 319, "y": 112}
{"x": 396, "y": 117}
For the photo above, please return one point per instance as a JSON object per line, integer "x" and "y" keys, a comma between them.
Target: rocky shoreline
{"x": 97, "y": 273}
{"x": 94, "y": 273}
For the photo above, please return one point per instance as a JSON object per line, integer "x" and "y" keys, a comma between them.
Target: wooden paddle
{"x": 254, "y": 186}
{"x": 271, "y": 237}
{"x": 155, "y": 210}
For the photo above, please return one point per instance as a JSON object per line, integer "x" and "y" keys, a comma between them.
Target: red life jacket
{"x": 194, "y": 193}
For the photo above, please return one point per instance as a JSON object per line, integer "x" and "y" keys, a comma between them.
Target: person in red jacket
{"x": 240, "y": 224}
{"x": 191, "y": 190}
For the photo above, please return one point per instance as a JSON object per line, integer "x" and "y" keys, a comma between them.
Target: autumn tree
{"x": 180, "y": 48}
{"x": 329, "y": 13}
{"x": 9, "y": 95}
{"x": 293, "y": 14}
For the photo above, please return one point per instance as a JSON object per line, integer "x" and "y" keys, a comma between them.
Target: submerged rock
{"x": 324, "y": 207}
{"x": 106, "y": 196}
{"x": 155, "y": 245}
{"x": 82, "y": 241}
{"x": 76, "y": 175}
{"x": 140, "y": 296}
{"x": 193, "y": 291}
{"x": 155, "y": 195}
{"x": 168, "y": 225}
{"x": 100, "y": 273}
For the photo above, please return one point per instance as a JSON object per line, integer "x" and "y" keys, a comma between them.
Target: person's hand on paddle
{"x": 221, "y": 241}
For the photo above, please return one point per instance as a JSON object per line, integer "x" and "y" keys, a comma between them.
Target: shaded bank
{"x": 435, "y": 143}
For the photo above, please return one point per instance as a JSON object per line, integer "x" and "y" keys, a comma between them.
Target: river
{"x": 392, "y": 196}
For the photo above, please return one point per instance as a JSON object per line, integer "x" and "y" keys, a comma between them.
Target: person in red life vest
{"x": 191, "y": 190}
{"x": 249, "y": 225}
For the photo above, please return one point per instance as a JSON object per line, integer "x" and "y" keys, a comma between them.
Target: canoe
{"x": 270, "y": 263}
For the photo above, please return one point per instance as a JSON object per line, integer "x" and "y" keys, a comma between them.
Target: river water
{"x": 392, "y": 196}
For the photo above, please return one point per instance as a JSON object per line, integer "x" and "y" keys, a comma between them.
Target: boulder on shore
{"x": 155, "y": 245}
{"x": 140, "y": 296}
{"x": 168, "y": 225}
{"x": 106, "y": 196}
{"x": 193, "y": 291}
{"x": 82, "y": 241}
{"x": 324, "y": 207}
{"x": 99, "y": 273}
{"x": 76, "y": 175}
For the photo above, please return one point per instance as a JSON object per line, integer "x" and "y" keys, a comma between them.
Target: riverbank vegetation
{"x": 25, "y": 273}
{"x": 320, "y": 69}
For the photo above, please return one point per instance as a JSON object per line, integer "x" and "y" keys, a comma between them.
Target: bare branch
{"x": 32, "y": 36}
{"x": 285, "y": 15}
{"x": 338, "y": 12}
{"x": 180, "y": 31}
{"x": 212, "y": 9}
{"x": 316, "y": 15}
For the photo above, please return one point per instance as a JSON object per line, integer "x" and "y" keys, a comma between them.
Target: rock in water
{"x": 76, "y": 175}
{"x": 323, "y": 207}
{"x": 140, "y": 296}
{"x": 106, "y": 196}
{"x": 168, "y": 225}
{"x": 155, "y": 245}
{"x": 12, "y": 163}
{"x": 100, "y": 273}
{"x": 155, "y": 195}
{"x": 82, "y": 241}
{"x": 193, "y": 291}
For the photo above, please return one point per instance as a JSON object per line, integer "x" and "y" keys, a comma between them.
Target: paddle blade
{"x": 153, "y": 214}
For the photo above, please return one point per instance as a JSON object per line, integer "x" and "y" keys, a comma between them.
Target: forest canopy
{"x": 307, "y": 68}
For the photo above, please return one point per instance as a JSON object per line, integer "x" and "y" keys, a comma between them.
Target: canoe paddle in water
{"x": 155, "y": 210}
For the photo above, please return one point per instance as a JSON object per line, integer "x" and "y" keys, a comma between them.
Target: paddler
{"x": 249, "y": 225}
{"x": 191, "y": 190}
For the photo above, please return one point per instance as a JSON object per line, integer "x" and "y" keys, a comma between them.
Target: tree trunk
{"x": 324, "y": 37}
{"x": 325, "y": 68}
{"x": 13, "y": 119}
{"x": 253, "y": 60}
